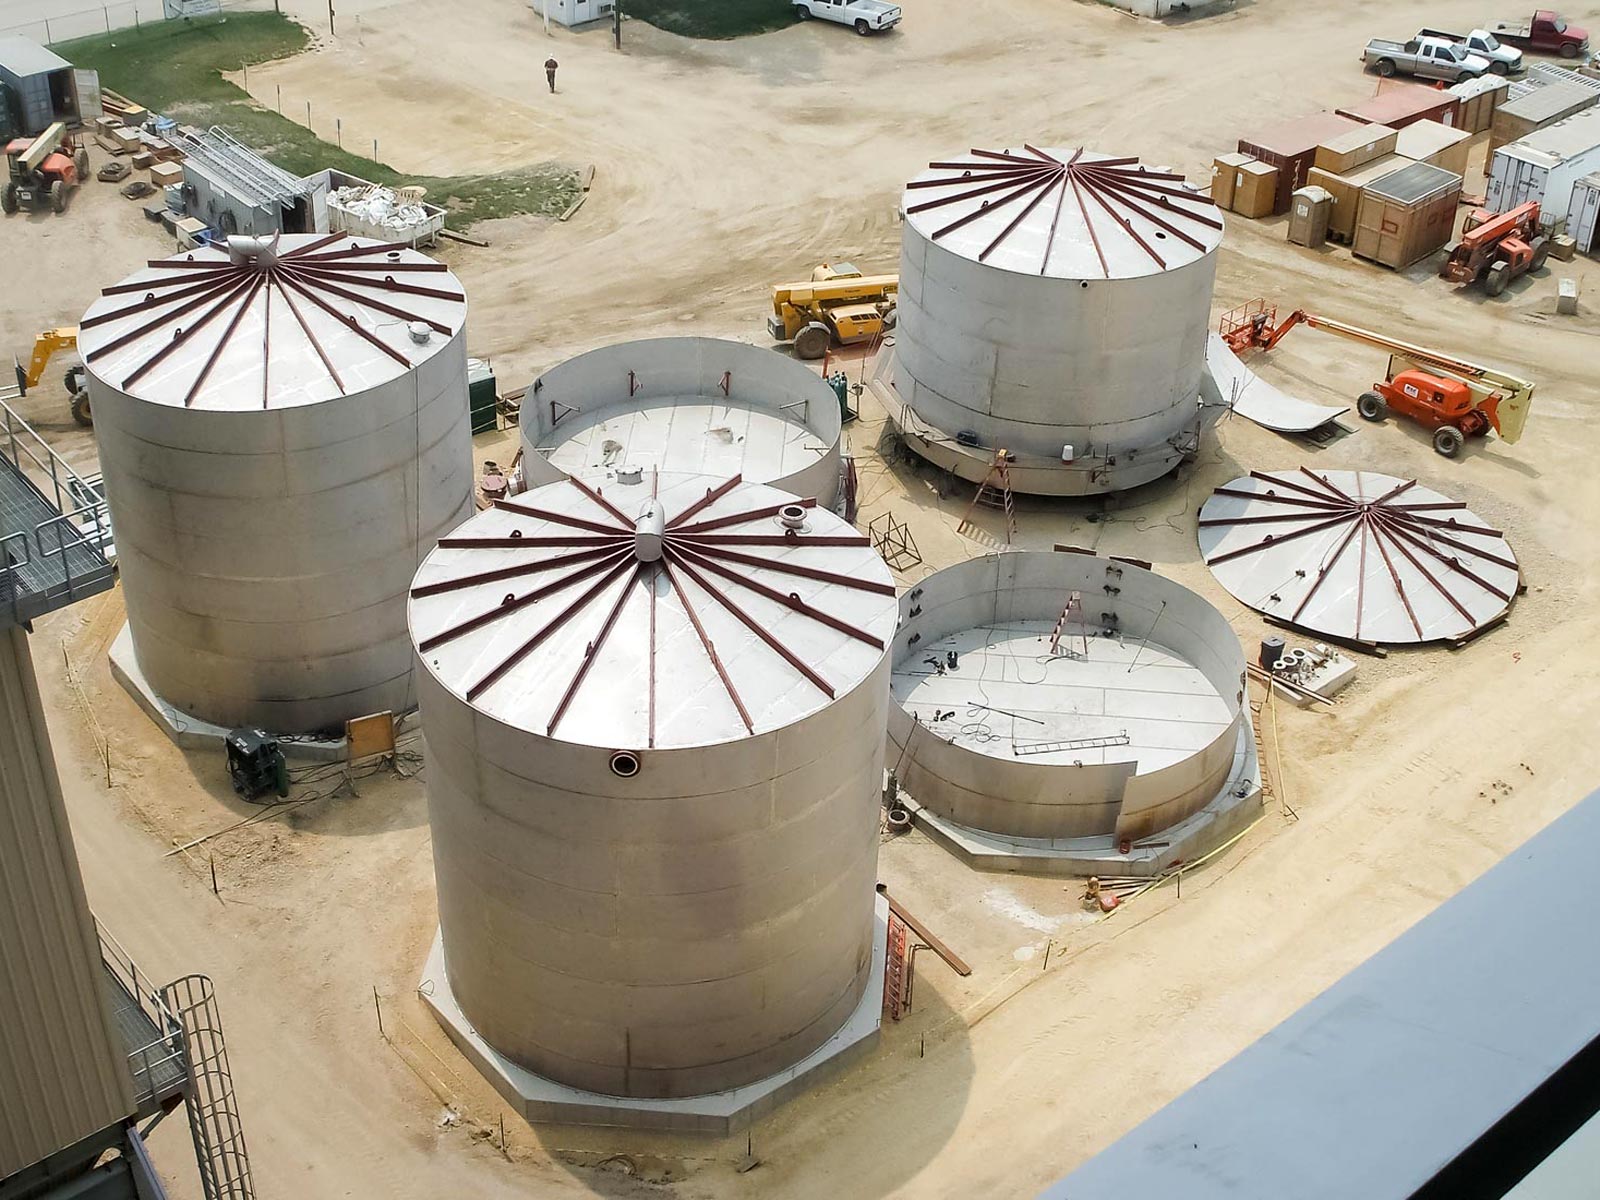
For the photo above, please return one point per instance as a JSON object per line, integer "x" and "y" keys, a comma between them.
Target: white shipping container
{"x": 1583, "y": 212}
{"x": 1545, "y": 165}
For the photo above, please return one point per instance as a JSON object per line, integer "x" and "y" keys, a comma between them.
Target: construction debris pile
{"x": 372, "y": 210}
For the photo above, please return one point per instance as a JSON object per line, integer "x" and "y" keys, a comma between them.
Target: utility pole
{"x": 616, "y": 23}
{"x": 545, "y": 8}
{"x": 331, "y": 33}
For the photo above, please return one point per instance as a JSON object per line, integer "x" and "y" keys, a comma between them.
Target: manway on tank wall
{"x": 684, "y": 405}
{"x": 1053, "y": 304}
{"x": 655, "y": 760}
{"x": 283, "y": 434}
{"x": 1090, "y": 705}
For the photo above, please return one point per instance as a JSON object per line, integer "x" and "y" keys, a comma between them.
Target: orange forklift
{"x": 1496, "y": 248}
{"x": 1454, "y": 398}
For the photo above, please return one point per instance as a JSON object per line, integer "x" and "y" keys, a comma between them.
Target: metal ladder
{"x": 994, "y": 492}
{"x": 1089, "y": 743}
{"x": 1074, "y": 605}
{"x": 896, "y": 992}
{"x": 219, "y": 1147}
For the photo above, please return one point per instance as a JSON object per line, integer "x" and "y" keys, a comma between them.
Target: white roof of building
{"x": 1062, "y": 213}
{"x": 549, "y": 613}
{"x": 327, "y": 316}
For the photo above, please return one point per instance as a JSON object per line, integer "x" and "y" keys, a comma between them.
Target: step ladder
{"x": 1074, "y": 606}
{"x": 897, "y": 971}
{"x": 994, "y": 492}
{"x": 1090, "y": 743}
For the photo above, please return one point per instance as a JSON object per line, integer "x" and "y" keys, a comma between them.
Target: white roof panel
{"x": 1062, "y": 213}
{"x": 549, "y": 613}
{"x": 1358, "y": 555}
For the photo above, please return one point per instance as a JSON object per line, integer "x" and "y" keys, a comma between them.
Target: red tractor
{"x": 1496, "y": 248}
{"x": 43, "y": 170}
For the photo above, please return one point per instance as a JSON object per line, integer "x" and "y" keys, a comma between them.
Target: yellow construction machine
{"x": 838, "y": 306}
{"x": 45, "y": 346}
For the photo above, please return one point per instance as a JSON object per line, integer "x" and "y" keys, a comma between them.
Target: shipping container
{"x": 1583, "y": 213}
{"x": 1291, "y": 146}
{"x": 1516, "y": 119}
{"x": 1309, "y": 212}
{"x": 1407, "y": 215}
{"x": 1479, "y": 99}
{"x": 1544, "y": 166}
{"x": 45, "y": 87}
{"x": 1224, "y": 173}
{"x": 1346, "y": 193}
{"x": 1355, "y": 148}
{"x": 1431, "y": 142}
{"x": 1405, "y": 104}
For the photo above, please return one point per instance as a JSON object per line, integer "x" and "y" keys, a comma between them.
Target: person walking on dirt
{"x": 550, "y": 65}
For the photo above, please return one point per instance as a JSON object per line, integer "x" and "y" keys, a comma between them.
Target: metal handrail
{"x": 168, "y": 1046}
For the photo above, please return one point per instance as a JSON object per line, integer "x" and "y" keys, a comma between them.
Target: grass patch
{"x": 712, "y": 18}
{"x": 176, "y": 68}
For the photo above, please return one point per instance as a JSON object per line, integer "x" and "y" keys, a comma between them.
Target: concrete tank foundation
{"x": 718, "y": 1113}
{"x": 1070, "y": 714}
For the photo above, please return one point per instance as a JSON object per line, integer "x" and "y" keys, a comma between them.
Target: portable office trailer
{"x": 1516, "y": 119}
{"x": 1583, "y": 212}
{"x": 45, "y": 87}
{"x": 1355, "y": 148}
{"x": 1436, "y": 144}
{"x": 1545, "y": 165}
{"x": 573, "y": 12}
{"x": 1480, "y": 98}
{"x": 1406, "y": 104}
{"x": 1406, "y": 215}
{"x": 1346, "y": 193}
{"x": 1291, "y": 146}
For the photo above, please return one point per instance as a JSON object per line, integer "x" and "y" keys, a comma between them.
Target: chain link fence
{"x": 53, "y": 26}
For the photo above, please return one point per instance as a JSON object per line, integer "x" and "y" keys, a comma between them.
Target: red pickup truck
{"x": 1546, "y": 33}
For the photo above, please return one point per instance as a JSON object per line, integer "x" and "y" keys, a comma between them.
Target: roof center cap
{"x": 649, "y": 531}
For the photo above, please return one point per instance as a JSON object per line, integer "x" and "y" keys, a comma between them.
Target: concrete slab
{"x": 543, "y": 1100}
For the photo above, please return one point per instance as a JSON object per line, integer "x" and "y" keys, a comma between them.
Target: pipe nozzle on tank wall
{"x": 648, "y": 531}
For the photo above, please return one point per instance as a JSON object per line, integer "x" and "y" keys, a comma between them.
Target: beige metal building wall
{"x": 63, "y": 1074}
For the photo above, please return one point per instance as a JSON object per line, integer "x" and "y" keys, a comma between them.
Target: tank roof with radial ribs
{"x": 1062, "y": 213}
{"x": 718, "y": 611}
{"x": 274, "y": 324}
{"x": 1358, "y": 555}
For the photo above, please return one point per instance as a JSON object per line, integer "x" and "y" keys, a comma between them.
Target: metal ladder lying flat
{"x": 1116, "y": 739}
{"x": 994, "y": 492}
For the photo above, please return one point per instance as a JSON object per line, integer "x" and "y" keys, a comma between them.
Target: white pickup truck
{"x": 867, "y": 16}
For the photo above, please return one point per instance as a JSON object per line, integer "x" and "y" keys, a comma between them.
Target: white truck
{"x": 1503, "y": 59}
{"x": 1428, "y": 58}
{"x": 865, "y": 16}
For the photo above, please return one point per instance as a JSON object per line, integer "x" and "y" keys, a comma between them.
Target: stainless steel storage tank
{"x": 283, "y": 433}
{"x": 1044, "y": 697}
{"x": 1053, "y": 304}
{"x": 684, "y": 405}
{"x": 655, "y": 747}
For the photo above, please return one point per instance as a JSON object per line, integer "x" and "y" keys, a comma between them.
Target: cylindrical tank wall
{"x": 698, "y": 926}
{"x": 639, "y": 373}
{"x": 266, "y": 538}
{"x": 1016, "y": 798}
{"x": 1031, "y": 364}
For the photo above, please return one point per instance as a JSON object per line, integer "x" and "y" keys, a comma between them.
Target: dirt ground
{"x": 719, "y": 169}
